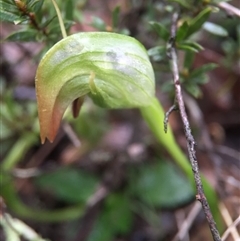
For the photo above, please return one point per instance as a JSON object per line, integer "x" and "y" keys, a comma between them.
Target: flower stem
{"x": 154, "y": 116}
{"x": 63, "y": 30}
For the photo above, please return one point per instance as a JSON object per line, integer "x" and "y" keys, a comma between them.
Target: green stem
{"x": 8, "y": 191}
{"x": 63, "y": 30}
{"x": 18, "y": 150}
{"x": 18, "y": 207}
{"x": 154, "y": 117}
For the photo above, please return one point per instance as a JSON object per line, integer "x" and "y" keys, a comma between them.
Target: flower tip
{"x": 44, "y": 138}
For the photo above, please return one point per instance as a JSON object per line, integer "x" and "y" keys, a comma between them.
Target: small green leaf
{"x": 196, "y": 23}
{"x": 21, "y": 20}
{"x": 6, "y": 16}
{"x": 115, "y": 218}
{"x": 189, "y": 58}
{"x": 68, "y": 184}
{"x": 98, "y": 23}
{"x": 203, "y": 69}
{"x": 23, "y": 36}
{"x": 200, "y": 79}
{"x": 115, "y": 16}
{"x": 215, "y": 29}
{"x": 8, "y": 7}
{"x": 158, "y": 53}
{"x": 101, "y": 231}
{"x": 118, "y": 212}
{"x": 182, "y": 31}
{"x": 194, "y": 45}
{"x": 167, "y": 87}
{"x": 69, "y": 7}
{"x": 35, "y": 5}
{"x": 162, "y": 185}
{"x": 193, "y": 90}
{"x": 238, "y": 35}
{"x": 47, "y": 21}
{"x": 160, "y": 30}
{"x": 187, "y": 47}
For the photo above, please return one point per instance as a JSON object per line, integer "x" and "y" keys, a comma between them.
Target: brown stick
{"x": 190, "y": 140}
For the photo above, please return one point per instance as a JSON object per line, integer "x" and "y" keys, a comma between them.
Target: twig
{"x": 188, "y": 222}
{"x": 228, "y": 220}
{"x": 232, "y": 226}
{"x": 32, "y": 18}
{"x": 190, "y": 140}
{"x": 71, "y": 135}
{"x": 228, "y": 151}
{"x": 229, "y": 9}
{"x": 167, "y": 114}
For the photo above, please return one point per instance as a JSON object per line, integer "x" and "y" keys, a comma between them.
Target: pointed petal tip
{"x": 45, "y": 138}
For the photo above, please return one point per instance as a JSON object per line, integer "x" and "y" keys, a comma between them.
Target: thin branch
{"x": 32, "y": 18}
{"x": 188, "y": 222}
{"x": 225, "y": 150}
{"x": 228, "y": 220}
{"x": 190, "y": 140}
{"x": 71, "y": 135}
{"x": 167, "y": 114}
{"x": 229, "y": 230}
{"x": 230, "y": 9}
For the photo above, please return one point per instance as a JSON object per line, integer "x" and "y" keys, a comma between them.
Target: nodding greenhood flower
{"x": 113, "y": 69}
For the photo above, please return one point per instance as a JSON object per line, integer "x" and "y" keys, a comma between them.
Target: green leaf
{"x": 215, "y": 29}
{"x": 162, "y": 185}
{"x": 158, "y": 53}
{"x": 68, "y": 184}
{"x": 113, "y": 69}
{"x": 238, "y": 34}
{"x": 21, "y": 20}
{"x": 196, "y": 23}
{"x": 193, "y": 90}
{"x": 69, "y": 9}
{"x": 8, "y": 7}
{"x": 194, "y": 45}
{"x": 182, "y": 31}
{"x": 203, "y": 69}
{"x": 47, "y": 21}
{"x": 189, "y": 58}
{"x": 115, "y": 16}
{"x": 187, "y": 47}
{"x": 167, "y": 87}
{"x": 118, "y": 213}
{"x": 23, "y": 36}
{"x": 98, "y": 23}
{"x": 200, "y": 79}
{"x": 116, "y": 218}
{"x": 34, "y": 5}
{"x": 8, "y": 12}
{"x": 101, "y": 231}
{"x": 160, "y": 30}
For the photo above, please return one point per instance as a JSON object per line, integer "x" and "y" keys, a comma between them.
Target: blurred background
{"x": 105, "y": 178}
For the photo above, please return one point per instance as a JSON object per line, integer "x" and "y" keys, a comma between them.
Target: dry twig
{"x": 229, "y": 9}
{"x": 187, "y": 223}
{"x": 228, "y": 220}
{"x": 190, "y": 140}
